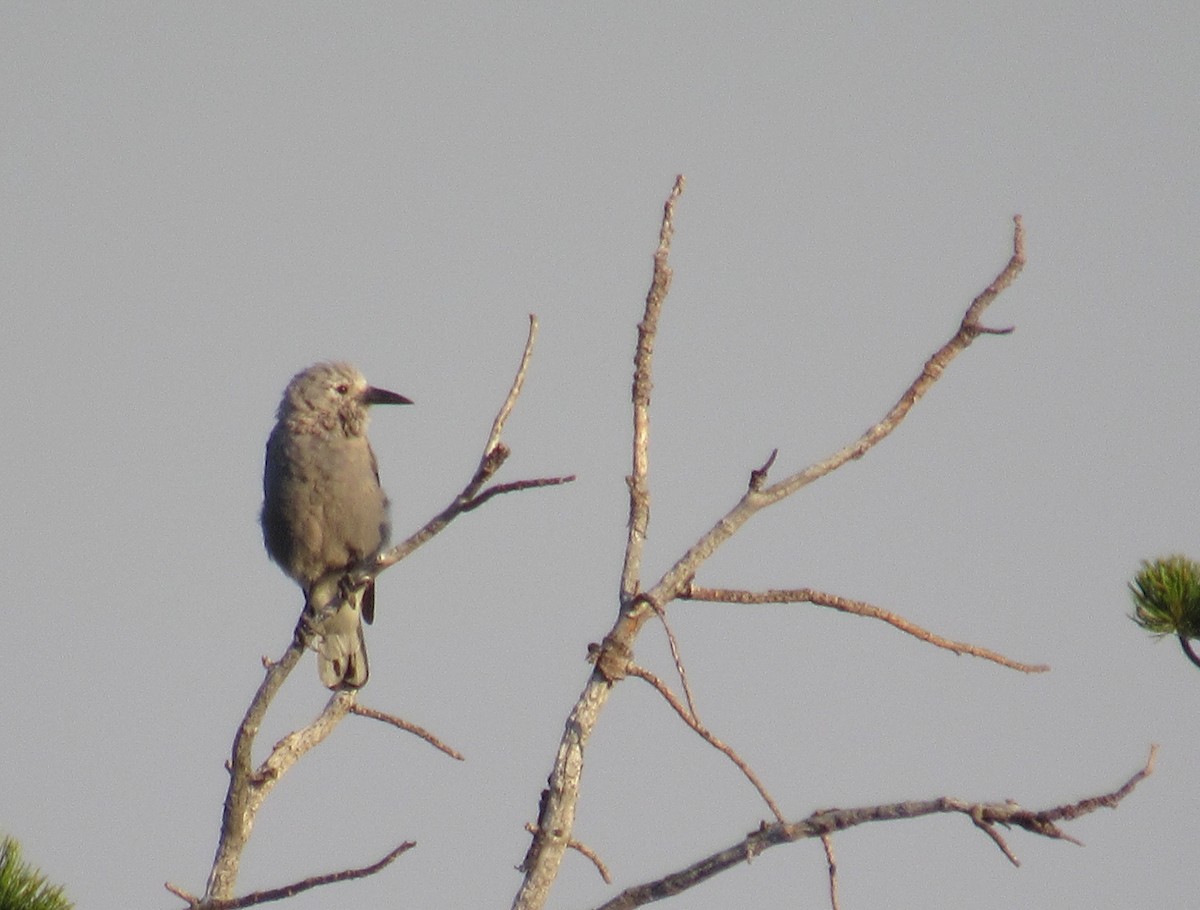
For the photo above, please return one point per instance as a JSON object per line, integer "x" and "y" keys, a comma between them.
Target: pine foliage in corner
{"x": 24, "y": 888}
{"x": 1166, "y": 597}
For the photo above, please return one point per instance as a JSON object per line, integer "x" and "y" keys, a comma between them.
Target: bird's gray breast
{"x": 323, "y": 507}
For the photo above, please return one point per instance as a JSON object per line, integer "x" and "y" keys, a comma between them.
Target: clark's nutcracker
{"x": 324, "y": 511}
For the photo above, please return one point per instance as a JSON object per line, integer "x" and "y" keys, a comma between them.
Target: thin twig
{"x": 672, "y": 582}
{"x": 500, "y": 488}
{"x": 997, "y": 838}
{"x": 408, "y": 726}
{"x": 495, "y": 453}
{"x": 1072, "y": 811}
{"x": 248, "y": 787}
{"x": 827, "y": 821}
{"x": 307, "y": 884}
{"x": 759, "y": 475}
{"x": 514, "y": 391}
{"x": 186, "y": 896}
{"x": 857, "y": 608}
{"x": 679, "y": 668}
{"x": 704, "y": 733}
{"x": 831, "y": 862}
{"x": 583, "y": 850}
{"x": 643, "y": 360}
{"x": 1188, "y": 650}
{"x": 556, "y": 813}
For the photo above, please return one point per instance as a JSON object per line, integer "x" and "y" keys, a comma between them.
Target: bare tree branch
{"x": 1188, "y": 650}
{"x": 820, "y": 824}
{"x": 556, "y": 813}
{"x": 241, "y": 801}
{"x": 514, "y": 486}
{"x": 403, "y": 724}
{"x": 831, "y": 862}
{"x": 679, "y": 668}
{"x": 673, "y": 581}
{"x": 307, "y": 884}
{"x": 248, "y": 787}
{"x": 613, "y": 657}
{"x": 514, "y": 391}
{"x": 856, "y": 607}
{"x": 643, "y": 360}
{"x": 495, "y": 453}
{"x": 583, "y": 850}
{"x": 692, "y": 721}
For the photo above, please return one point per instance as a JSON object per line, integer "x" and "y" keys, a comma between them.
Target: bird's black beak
{"x": 373, "y": 395}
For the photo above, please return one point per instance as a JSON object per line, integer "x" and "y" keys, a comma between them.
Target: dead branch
{"x": 831, "y": 862}
{"x": 821, "y": 824}
{"x": 556, "y": 814}
{"x": 613, "y": 658}
{"x": 307, "y": 884}
{"x": 501, "y": 488}
{"x": 583, "y": 850}
{"x": 643, "y": 359}
{"x": 241, "y": 804}
{"x": 673, "y": 581}
{"x": 248, "y": 787}
{"x": 495, "y": 453}
{"x": 855, "y": 607}
{"x": 704, "y": 733}
{"x": 679, "y": 668}
{"x": 401, "y": 723}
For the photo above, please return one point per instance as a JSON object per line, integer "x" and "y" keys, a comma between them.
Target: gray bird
{"x": 324, "y": 511}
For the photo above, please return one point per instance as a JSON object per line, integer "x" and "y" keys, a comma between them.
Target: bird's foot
{"x": 308, "y": 629}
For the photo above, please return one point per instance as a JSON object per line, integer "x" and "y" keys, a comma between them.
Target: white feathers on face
{"x": 324, "y": 388}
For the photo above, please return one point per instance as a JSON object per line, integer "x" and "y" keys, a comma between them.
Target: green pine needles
{"x": 1166, "y": 600}
{"x": 24, "y": 888}
{"x": 1166, "y": 597}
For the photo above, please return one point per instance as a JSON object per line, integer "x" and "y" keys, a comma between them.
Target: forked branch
{"x": 986, "y": 816}
{"x": 249, "y": 786}
{"x": 689, "y": 717}
{"x": 286, "y": 891}
{"x": 673, "y": 581}
{"x": 613, "y": 657}
{"x": 473, "y": 495}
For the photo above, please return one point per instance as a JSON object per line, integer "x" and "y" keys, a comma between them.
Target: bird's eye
{"x": 342, "y": 388}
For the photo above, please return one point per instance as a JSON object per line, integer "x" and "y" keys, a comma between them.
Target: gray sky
{"x": 199, "y": 200}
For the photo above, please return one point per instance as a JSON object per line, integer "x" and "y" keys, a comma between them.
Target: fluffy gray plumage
{"x": 324, "y": 510}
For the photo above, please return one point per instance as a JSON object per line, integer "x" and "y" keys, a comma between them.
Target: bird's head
{"x": 331, "y": 396}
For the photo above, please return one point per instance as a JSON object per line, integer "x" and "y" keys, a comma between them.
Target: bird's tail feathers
{"x": 342, "y": 649}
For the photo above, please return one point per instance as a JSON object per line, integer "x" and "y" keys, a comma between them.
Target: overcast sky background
{"x": 198, "y": 200}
